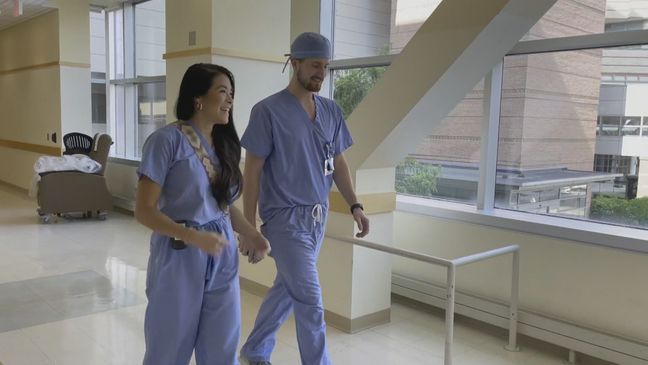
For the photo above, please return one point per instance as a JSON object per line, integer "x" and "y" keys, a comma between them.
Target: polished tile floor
{"x": 73, "y": 293}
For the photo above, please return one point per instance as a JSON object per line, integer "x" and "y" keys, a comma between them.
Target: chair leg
{"x": 45, "y": 218}
{"x": 102, "y": 215}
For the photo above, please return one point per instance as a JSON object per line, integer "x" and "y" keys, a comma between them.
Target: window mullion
{"x": 489, "y": 138}
{"x": 130, "y": 91}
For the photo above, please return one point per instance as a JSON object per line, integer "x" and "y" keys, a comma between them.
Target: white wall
{"x": 176, "y": 15}
{"x": 122, "y": 183}
{"x": 637, "y": 99}
{"x": 635, "y": 146}
{"x": 361, "y": 27}
{"x": 407, "y": 16}
{"x": 74, "y": 54}
{"x": 150, "y": 38}
{"x": 97, "y": 42}
{"x": 583, "y": 284}
{"x": 76, "y": 115}
{"x": 625, "y": 61}
{"x": 642, "y": 183}
{"x": 626, "y": 9}
{"x": 612, "y": 99}
{"x": 260, "y": 27}
{"x": 74, "y": 32}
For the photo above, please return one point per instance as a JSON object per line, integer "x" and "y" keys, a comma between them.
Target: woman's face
{"x": 217, "y": 103}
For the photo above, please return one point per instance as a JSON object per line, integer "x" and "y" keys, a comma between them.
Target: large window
{"x": 573, "y": 123}
{"x": 576, "y": 135}
{"x": 445, "y": 165}
{"x": 127, "y": 45}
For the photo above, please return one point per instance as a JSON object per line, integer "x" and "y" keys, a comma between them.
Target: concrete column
{"x": 642, "y": 174}
{"x": 187, "y": 42}
{"x": 74, "y": 59}
{"x": 357, "y": 281}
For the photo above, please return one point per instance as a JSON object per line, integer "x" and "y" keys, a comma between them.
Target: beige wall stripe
{"x": 226, "y": 53}
{"x": 44, "y": 65}
{"x": 30, "y": 147}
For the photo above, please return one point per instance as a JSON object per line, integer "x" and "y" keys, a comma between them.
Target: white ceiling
{"x": 31, "y": 8}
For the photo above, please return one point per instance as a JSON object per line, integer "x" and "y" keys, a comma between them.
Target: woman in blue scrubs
{"x": 189, "y": 177}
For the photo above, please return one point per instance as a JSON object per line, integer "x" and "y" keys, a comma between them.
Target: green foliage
{"x": 415, "y": 178}
{"x": 618, "y": 210}
{"x": 351, "y": 86}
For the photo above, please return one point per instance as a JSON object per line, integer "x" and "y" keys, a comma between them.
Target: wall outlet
{"x": 192, "y": 38}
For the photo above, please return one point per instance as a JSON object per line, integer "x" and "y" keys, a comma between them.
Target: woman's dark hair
{"x": 195, "y": 83}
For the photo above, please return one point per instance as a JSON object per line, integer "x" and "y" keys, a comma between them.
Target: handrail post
{"x": 513, "y": 310}
{"x": 450, "y": 311}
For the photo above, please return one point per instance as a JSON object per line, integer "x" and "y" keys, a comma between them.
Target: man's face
{"x": 311, "y": 72}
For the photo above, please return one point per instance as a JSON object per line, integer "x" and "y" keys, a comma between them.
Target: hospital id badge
{"x": 329, "y": 167}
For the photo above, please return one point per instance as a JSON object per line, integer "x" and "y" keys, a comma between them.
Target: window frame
{"x": 121, "y": 90}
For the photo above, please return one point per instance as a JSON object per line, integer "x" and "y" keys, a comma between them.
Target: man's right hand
{"x": 210, "y": 242}
{"x": 255, "y": 248}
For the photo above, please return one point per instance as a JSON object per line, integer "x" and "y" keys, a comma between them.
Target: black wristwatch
{"x": 356, "y": 205}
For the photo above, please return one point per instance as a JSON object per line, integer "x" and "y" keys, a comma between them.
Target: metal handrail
{"x": 451, "y": 266}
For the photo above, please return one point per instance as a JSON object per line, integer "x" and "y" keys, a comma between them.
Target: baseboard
{"x": 253, "y": 287}
{"x": 332, "y": 319}
{"x": 16, "y": 188}
{"x": 567, "y": 335}
{"x": 123, "y": 205}
{"x": 358, "y": 324}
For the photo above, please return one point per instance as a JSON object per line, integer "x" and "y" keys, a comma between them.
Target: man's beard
{"x": 310, "y": 84}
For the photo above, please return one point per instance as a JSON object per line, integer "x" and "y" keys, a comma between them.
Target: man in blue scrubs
{"x": 294, "y": 144}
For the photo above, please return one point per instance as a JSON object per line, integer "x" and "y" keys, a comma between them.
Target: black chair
{"x": 77, "y": 143}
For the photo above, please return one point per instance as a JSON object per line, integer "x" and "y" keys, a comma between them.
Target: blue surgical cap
{"x": 310, "y": 45}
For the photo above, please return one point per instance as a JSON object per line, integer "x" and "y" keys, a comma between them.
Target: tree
{"x": 619, "y": 210}
{"x": 351, "y": 86}
{"x": 415, "y": 178}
